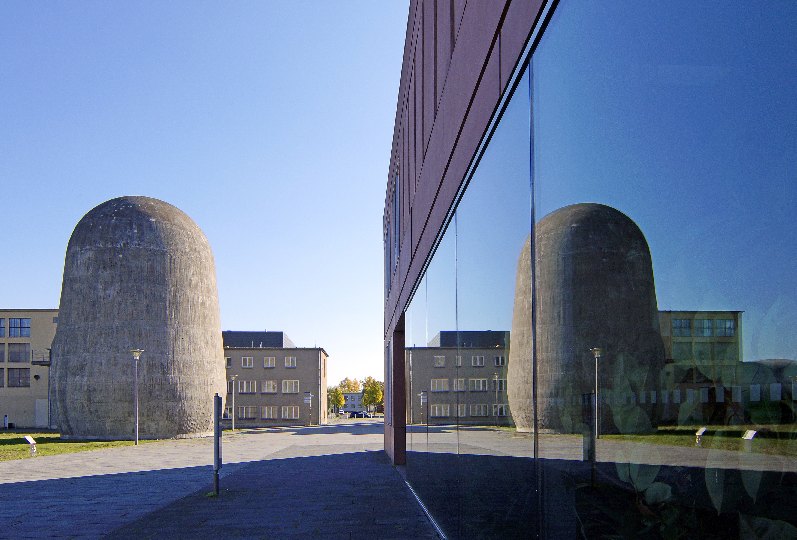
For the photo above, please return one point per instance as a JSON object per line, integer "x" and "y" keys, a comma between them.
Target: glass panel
{"x": 431, "y": 439}
{"x": 665, "y": 196}
{"x": 494, "y": 314}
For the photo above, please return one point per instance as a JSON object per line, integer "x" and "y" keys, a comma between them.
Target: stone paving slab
{"x": 103, "y": 492}
{"x": 314, "y": 495}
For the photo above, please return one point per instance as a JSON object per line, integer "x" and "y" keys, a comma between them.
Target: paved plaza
{"x": 317, "y": 482}
{"x": 329, "y": 481}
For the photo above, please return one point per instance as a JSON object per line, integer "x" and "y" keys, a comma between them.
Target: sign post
{"x": 308, "y": 399}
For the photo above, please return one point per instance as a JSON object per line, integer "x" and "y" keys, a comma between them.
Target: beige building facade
{"x": 272, "y": 382}
{"x": 465, "y": 384}
{"x": 26, "y": 336}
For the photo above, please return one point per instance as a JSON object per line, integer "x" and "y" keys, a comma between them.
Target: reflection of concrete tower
{"x": 138, "y": 273}
{"x": 594, "y": 284}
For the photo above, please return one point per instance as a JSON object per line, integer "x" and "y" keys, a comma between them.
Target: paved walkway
{"x": 321, "y": 482}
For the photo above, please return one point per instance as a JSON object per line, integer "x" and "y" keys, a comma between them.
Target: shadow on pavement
{"x": 356, "y": 495}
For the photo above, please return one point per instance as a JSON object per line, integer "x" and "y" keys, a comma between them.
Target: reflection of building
{"x": 462, "y": 375}
{"x": 272, "y": 379}
{"x": 701, "y": 345}
{"x": 25, "y": 339}
{"x": 594, "y": 289}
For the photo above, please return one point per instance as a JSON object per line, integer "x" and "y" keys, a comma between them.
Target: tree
{"x": 373, "y": 392}
{"x": 349, "y": 385}
{"x": 334, "y": 398}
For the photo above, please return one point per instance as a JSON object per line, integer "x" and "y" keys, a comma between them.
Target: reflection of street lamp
{"x": 136, "y": 355}
{"x": 495, "y": 401}
{"x": 596, "y": 351}
{"x": 425, "y": 399}
{"x": 233, "y": 401}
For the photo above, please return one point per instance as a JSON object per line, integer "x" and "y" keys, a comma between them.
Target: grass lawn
{"x": 774, "y": 439}
{"x": 48, "y": 443}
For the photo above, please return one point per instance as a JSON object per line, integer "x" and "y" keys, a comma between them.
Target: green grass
{"x": 48, "y": 443}
{"x": 773, "y": 439}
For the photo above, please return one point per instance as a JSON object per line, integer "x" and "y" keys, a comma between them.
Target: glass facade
{"x": 602, "y": 344}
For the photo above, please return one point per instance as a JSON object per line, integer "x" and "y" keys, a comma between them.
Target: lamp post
{"x": 136, "y": 355}
{"x": 596, "y": 352}
{"x": 495, "y": 401}
{"x": 233, "y": 401}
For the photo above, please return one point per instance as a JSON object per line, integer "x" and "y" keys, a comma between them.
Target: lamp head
{"x": 596, "y": 352}
{"x": 136, "y": 353}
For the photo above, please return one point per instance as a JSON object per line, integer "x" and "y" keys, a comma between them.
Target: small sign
{"x": 308, "y": 399}
{"x": 749, "y": 434}
{"x": 423, "y": 398}
{"x": 32, "y": 443}
{"x": 700, "y": 431}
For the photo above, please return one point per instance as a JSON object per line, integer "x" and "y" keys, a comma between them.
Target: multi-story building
{"x": 460, "y": 378}
{"x": 25, "y": 339}
{"x": 273, "y": 382}
{"x": 701, "y": 346}
{"x": 520, "y": 125}
{"x": 352, "y": 402}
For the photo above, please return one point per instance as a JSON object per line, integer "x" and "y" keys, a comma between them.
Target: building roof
{"x": 256, "y": 339}
{"x": 477, "y": 339}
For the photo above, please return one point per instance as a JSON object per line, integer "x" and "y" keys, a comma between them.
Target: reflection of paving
{"x": 500, "y": 442}
{"x": 91, "y": 494}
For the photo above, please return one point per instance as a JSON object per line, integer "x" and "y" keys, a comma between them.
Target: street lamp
{"x": 495, "y": 401}
{"x": 233, "y": 401}
{"x": 596, "y": 352}
{"x": 136, "y": 355}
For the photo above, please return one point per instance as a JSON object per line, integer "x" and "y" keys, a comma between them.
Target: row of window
{"x": 474, "y": 385}
{"x": 268, "y": 362}
{"x": 17, "y": 352}
{"x": 289, "y": 386}
{"x": 443, "y": 410}
{"x": 475, "y": 361}
{"x": 702, "y": 395}
{"x": 267, "y": 412}
{"x": 703, "y": 327}
{"x": 16, "y": 328}
{"x": 17, "y": 377}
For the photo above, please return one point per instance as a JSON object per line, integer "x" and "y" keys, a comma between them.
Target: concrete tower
{"x": 138, "y": 273}
{"x": 594, "y": 288}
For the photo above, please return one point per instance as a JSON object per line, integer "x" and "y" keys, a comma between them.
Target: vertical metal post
{"x": 135, "y": 395}
{"x": 136, "y": 355}
{"x": 234, "y": 377}
{"x": 216, "y": 441}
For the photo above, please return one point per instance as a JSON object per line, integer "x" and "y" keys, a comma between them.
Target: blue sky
{"x": 269, "y": 123}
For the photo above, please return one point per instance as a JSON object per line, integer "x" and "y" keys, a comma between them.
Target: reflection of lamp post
{"x": 596, "y": 351}
{"x": 425, "y": 399}
{"x": 233, "y": 401}
{"x": 495, "y": 401}
{"x": 136, "y": 355}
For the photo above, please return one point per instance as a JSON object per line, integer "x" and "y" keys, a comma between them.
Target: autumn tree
{"x": 373, "y": 392}
{"x": 349, "y": 385}
{"x": 334, "y": 398}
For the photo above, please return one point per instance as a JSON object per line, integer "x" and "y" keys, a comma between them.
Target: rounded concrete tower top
{"x": 136, "y": 221}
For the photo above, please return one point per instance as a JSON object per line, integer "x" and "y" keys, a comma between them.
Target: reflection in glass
{"x": 685, "y": 126}
{"x": 629, "y": 366}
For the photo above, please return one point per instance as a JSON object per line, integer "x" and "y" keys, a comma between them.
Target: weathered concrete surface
{"x": 594, "y": 288}
{"x": 139, "y": 273}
